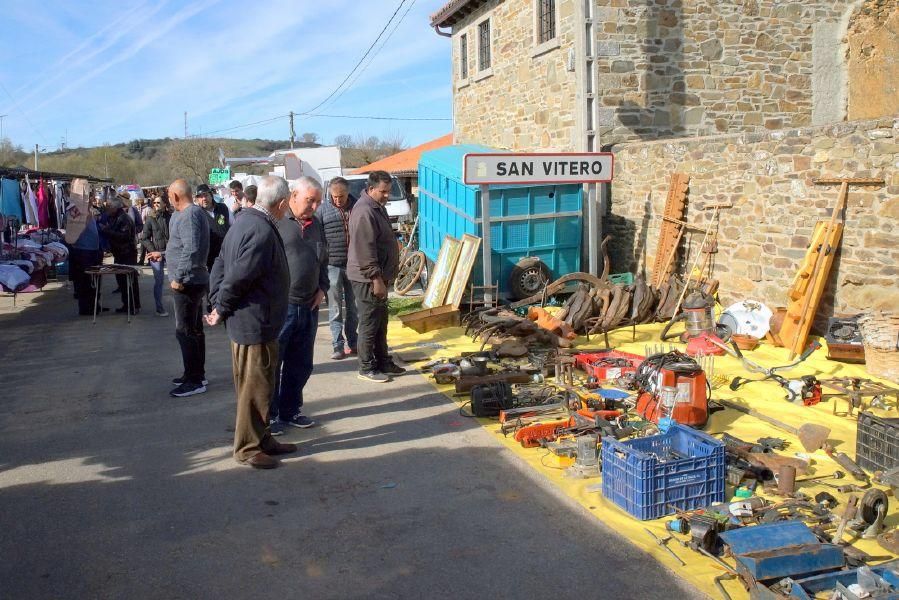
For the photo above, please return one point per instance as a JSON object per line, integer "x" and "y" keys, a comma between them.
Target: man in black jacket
{"x": 249, "y": 290}
{"x": 119, "y": 231}
{"x": 154, "y": 238}
{"x": 219, "y": 221}
{"x": 334, "y": 214}
{"x": 307, "y": 257}
{"x": 372, "y": 263}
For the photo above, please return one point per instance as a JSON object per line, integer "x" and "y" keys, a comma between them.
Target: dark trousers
{"x": 372, "y": 313}
{"x": 128, "y": 258}
{"x": 295, "y": 348}
{"x": 79, "y": 261}
{"x": 189, "y": 331}
{"x": 254, "y": 378}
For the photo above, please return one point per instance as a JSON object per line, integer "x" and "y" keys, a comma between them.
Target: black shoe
{"x": 181, "y": 380}
{"x": 373, "y": 376}
{"x": 187, "y": 389}
{"x": 393, "y": 369}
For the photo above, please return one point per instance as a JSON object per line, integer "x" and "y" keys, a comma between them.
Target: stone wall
{"x": 691, "y": 67}
{"x": 873, "y": 57}
{"x": 768, "y": 177}
{"x": 527, "y": 102}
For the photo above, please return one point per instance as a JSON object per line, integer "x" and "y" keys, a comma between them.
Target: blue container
{"x": 543, "y": 221}
{"x": 647, "y": 476}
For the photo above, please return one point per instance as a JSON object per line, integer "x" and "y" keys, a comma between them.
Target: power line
{"x": 262, "y": 122}
{"x": 23, "y": 113}
{"x": 376, "y": 118}
{"x": 389, "y": 21}
{"x": 373, "y": 56}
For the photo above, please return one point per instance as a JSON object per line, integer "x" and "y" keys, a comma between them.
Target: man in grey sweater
{"x": 186, "y": 253}
{"x": 307, "y": 258}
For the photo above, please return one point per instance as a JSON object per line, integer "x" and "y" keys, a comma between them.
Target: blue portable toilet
{"x": 542, "y": 221}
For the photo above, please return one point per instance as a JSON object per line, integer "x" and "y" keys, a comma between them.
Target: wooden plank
{"x": 672, "y": 228}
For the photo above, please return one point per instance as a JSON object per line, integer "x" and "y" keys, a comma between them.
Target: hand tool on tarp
{"x": 663, "y": 542}
{"x": 811, "y": 436}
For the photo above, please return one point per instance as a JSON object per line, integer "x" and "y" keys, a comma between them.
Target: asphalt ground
{"x": 110, "y": 488}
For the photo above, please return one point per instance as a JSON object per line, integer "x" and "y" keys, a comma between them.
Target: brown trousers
{"x": 254, "y": 379}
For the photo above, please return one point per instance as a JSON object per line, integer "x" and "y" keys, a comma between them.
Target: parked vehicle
{"x": 398, "y": 207}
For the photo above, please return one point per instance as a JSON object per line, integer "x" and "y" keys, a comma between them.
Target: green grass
{"x": 401, "y": 306}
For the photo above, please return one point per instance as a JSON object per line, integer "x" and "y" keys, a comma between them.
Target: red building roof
{"x": 405, "y": 162}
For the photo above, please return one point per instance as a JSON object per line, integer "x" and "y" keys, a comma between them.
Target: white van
{"x": 398, "y": 208}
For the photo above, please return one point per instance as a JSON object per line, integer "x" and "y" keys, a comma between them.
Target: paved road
{"x": 109, "y": 488}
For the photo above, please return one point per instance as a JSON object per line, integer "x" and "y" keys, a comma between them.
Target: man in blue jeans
{"x": 307, "y": 260}
{"x": 334, "y": 214}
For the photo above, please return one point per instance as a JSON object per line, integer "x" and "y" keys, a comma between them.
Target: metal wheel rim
{"x": 531, "y": 280}
{"x": 409, "y": 272}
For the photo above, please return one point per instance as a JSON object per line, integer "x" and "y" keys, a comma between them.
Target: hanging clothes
{"x": 61, "y": 200}
{"x": 30, "y": 203}
{"x": 11, "y": 199}
{"x": 79, "y": 210}
{"x": 43, "y": 205}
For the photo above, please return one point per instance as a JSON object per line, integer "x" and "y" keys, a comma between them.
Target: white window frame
{"x": 550, "y": 44}
{"x": 483, "y": 73}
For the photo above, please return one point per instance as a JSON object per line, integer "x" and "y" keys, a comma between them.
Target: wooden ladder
{"x": 672, "y": 230}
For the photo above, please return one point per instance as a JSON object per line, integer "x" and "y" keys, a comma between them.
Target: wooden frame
{"x": 439, "y": 281}
{"x": 465, "y": 263}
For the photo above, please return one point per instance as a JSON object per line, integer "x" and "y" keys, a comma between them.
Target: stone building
{"x": 755, "y": 99}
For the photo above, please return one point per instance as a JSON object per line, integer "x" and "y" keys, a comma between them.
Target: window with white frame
{"x": 546, "y": 20}
{"x": 484, "y": 45}
{"x": 463, "y": 56}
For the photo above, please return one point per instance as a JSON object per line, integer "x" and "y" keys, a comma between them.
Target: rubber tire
{"x": 527, "y": 267}
{"x": 869, "y": 503}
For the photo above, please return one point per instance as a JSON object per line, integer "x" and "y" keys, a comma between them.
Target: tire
{"x": 409, "y": 273}
{"x": 528, "y": 277}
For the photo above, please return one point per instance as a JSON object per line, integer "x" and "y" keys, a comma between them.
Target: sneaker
{"x": 187, "y": 389}
{"x": 393, "y": 369}
{"x": 275, "y": 427}
{"x": 181, "y": 380}
{"x": 338, "y": 355}
{"x": 162, "y": 313}
{"x": 373, "y": 376}
{"x": 301, "y": 421}
{"x": 351, "y": 351}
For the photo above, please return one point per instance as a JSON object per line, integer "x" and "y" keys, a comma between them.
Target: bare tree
{"x": 393, "y": 143}
{"x": 10, "y": 154}
{"x": 194, "y": 157}
{"x": 344, "y": 141}
{"x": 309, "y": 138}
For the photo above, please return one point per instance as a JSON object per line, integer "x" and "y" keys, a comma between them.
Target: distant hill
{"x": 160, "y": 161}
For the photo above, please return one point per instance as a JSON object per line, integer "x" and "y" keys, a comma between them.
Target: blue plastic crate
{"x": 639, "y": 476}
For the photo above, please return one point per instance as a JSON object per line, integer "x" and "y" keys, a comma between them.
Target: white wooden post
{"x": 486, "y": 249}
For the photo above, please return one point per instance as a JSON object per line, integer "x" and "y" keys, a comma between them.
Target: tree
{"x": 309, "y": 138}
{"x": 194, "y": 157}
{"x": 344, "y": 141}
{"x": 11, "y": 155}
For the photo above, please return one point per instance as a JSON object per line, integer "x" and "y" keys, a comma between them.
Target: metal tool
{"x": 845, "y": 488}
{"x": 835, "y": 475}
{"x": 663, "y": 542}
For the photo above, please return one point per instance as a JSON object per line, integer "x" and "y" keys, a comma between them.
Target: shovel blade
{"x": 813, "y": 436}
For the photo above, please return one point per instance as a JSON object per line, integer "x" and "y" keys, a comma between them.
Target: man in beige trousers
{"x": 249, "y": 287}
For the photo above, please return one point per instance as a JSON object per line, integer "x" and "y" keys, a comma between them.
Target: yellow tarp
{"x": 766, "y": 397}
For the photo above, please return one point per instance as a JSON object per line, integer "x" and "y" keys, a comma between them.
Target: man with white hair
{"x": 307, "y": 258}
{"x": 249, "y": 292}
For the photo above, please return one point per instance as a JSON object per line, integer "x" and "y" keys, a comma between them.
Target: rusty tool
{"x": 835, "y": 475}
{"x": 812, "y": 436}
{"x": 842, "y": 459}
{"x": 848, "y": 515}
{"x": 663, "y": 542}
{"x": 845, "y": 488}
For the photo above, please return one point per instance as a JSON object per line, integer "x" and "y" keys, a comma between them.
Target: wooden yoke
{"x": 808, "y": 285}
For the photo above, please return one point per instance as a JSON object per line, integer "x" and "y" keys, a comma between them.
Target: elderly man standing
{"x": 249, "y": 290}
{"x": 334, "y": 214}
{"x": 372, "y": 263}
{"x": 185, "y": 254}
{"x": 307, "y": 257}
{"x": 119, "y": 231}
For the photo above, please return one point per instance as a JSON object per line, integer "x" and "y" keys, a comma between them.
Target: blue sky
{"x": 111, "y": 71}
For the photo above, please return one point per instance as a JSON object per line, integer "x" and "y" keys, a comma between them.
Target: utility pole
{"x": 185, "y": 124}
{"x": 292, "y": 132}
{"x": 1, "y": 126}
{"x": 35, "y": 157}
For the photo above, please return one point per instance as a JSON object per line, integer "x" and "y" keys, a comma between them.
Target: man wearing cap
{"x": 219, "y": 221}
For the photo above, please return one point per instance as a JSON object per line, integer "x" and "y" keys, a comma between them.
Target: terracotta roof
{"x": 407, "y": 160}
{"x": 452, "y": 11}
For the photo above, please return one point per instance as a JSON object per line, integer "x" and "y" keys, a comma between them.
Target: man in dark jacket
{"x": 334, "y": 214}
{"x": 219, "y": 221}
{"x": 372, "y": 263}
{"x": 249, "y": 290}
{"x": 154, "y": 238}
{"x": 307, "y": 257}
{"x": 185, "y": 254}
{"x": 120, "y": 234}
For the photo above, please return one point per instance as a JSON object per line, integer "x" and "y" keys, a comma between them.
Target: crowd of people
{"x": 261, "y": 263}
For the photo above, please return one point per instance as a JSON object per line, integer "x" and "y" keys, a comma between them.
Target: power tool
{"x": 672, "y": 386}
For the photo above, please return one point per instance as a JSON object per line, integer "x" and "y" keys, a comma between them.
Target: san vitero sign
{"x": 531, "y": 169}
